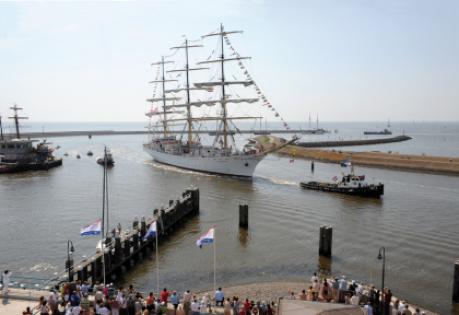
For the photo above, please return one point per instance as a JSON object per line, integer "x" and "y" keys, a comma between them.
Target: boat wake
{"x": 277, "y": 181}
{"x": 177, "y": 169}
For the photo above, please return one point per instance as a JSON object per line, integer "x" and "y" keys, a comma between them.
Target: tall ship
{"x": 222, "y": 155}
{"x": 18, "y": 154}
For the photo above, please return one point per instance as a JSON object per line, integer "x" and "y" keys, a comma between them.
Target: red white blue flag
{"x": 152, "y": 231}
{"x": 206, "y": 238}
{"x": 92, "y": 229}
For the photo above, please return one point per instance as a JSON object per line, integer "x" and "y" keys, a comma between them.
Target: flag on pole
{"x": 92, "y": 229}
{"x": 152, "y": 231}
{"x": 206, "y": 238}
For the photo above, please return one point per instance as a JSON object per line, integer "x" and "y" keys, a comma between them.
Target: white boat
{"x": 222, "y": 156}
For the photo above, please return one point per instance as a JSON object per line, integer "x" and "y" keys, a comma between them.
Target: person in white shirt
{"x": 315, "y": 289}
{"x": 5, "y": 283}
{"x": 355, "y": 300}
{"x": 195, "y": 309}
{"x": 342, "y": 287}
{"x": 314, "y": 278}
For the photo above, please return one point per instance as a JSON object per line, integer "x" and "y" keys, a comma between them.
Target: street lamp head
{"x": 382, "y": 252}
{"x": 72, "y": 249}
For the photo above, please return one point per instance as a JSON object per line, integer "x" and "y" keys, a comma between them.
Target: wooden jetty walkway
{"x": 123, "y": 251}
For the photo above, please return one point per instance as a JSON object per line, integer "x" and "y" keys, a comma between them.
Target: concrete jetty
{"x": 392, "y": 160}
{"x": 123, "y": 251}
{"x": 343, "y": 143}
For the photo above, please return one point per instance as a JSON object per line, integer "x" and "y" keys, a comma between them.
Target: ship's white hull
{"x": 233, "y": 165}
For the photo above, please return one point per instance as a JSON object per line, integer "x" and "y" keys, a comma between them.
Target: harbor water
{"x": 416, "y": 219}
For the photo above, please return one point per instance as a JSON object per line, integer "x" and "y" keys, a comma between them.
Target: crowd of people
{"x": 340, "y": 290}
{"x": 84, "y": 299}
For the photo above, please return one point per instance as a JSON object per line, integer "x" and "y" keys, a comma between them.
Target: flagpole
{"x": 103, "y": 213}
{"x": 157, "y": 260}
{"x": 215, "y": 265}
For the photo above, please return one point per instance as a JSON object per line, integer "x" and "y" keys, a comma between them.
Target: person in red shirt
{"x": 164, "y": 295}
{"x": 247, "y": 306}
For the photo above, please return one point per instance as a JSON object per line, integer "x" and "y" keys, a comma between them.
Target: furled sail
{"x": 219, "y": 83}
{"x": 162, "y": 99}
{"x": 220, "y": 60}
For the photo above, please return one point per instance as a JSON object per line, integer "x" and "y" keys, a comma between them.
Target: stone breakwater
{"x": 410, "y": 162}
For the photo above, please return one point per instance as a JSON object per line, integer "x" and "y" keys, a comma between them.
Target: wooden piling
{"x": 456, "y": 282}
{"x": 325, "y": 241}
{"x": 244, "y": 216}
{"x": 69, "y": 268}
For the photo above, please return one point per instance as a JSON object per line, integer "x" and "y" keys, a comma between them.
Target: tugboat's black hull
{"x": 32, "y": 166}
{"x": 373, "y": 191}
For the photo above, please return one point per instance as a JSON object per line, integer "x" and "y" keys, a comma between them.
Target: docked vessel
{"x": 222, "y": 156}
{"x": 18, "y": 155}
{"x": 349, "y": 184}
{"x": 382, "y": 132}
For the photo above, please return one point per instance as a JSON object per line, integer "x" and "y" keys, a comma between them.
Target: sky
{"x": 344, "y": 60}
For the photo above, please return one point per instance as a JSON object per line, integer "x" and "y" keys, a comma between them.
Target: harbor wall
{"x": 409, "y": 162}
{"x": 342, "y": 143}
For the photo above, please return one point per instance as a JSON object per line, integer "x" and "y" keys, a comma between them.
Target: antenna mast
{"x": 1, "y": 129}
{"x": 16, "y": 118}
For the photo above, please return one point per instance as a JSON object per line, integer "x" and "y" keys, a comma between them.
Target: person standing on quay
{"x": 175, "y": 301}
{"x": 219, "y": 297}
{"x": 187, "y": 302}
{"x": 5, "y": 282}
{"x": 342, "y": 287}
{"x": 387, "y": 300}
{"x": 195, "y": 309}
{"x": 164, "y": 295}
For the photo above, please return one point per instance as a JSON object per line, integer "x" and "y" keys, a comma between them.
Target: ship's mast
{"x": 164, "y": 97}
{"x": 187, "y": 70}
{"x": 16, "y": 118}
{"x": 225, "y": 122}
{"x": 188, "y": 108}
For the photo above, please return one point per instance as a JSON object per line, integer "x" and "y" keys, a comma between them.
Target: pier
{"x": 342, "y": 143}
{"x": 389, "y": 160}
{"x": 91, "y": 133}
{"x": 123, "y": 251}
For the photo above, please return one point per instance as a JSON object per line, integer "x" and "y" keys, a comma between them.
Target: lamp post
{"x": 69, "y": 265}
{"x": 382, "y": 255}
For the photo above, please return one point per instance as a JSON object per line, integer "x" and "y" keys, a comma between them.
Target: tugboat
{"x": 349, "y": 184}
{"x": 107, "y": 159}
{"x": 20, "y": 155}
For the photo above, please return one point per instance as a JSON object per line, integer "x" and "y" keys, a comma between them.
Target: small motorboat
{"x": 78, "y": 156}
{"x": 90, "y": 153}
{"x": 66, "y": 154}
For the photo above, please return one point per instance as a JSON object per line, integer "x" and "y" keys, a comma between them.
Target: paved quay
{"x": 264, "y": 292}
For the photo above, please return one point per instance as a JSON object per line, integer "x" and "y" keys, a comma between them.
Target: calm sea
{"x": 416, "y": 220}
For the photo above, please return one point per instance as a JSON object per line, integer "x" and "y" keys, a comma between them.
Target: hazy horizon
{"x": 345, "y": 61}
